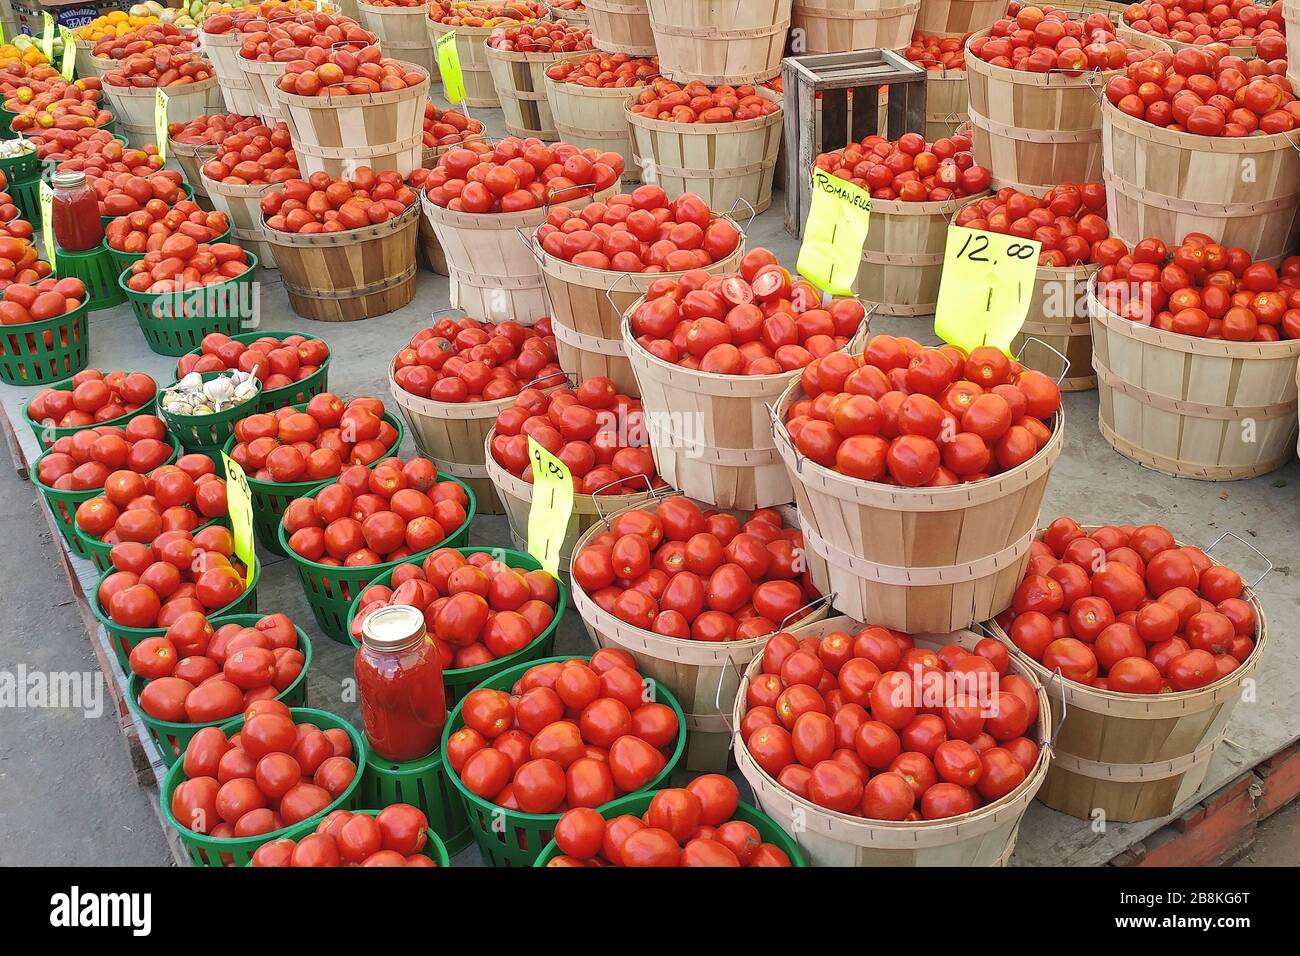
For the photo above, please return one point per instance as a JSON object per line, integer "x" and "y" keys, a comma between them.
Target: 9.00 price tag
{"x": 988, "y": 280}
{"x": 548, "y": 518}
{"x": 453, "y": 80}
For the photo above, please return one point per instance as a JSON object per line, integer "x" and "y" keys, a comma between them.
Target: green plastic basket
{"x": 295, "y": 394}
{"x": 421, "y": 783}
{"x": 124, "y": 260}
{"x": 98, "y": 550}
{"x": 171, "y": 738}
{"x": 63, "y": 504}
{"x": 236, "y": 851}
{"x": 208, "y": 434}
{"x": 26, "y": 194}
{"x": 124, "y": 639}
{"x": 45, "y": 352}
{"x": 271, "y": 498}
{"x": 95, "y": 268}
{"x": 48, "y": 435}
{"x": 435, "y": 849}
{"x": 508, "y": 837}
{"x": 21, "y": 168}
{"x": 462, "y": 680}
{"x": 638, "y": 803}
{"x": 6, "y": 124}
{"x": 172, "y": 335}
{"x": 331, "y": 590}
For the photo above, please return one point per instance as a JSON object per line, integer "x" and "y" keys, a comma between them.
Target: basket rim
{"x": 504, "y": 681}
{"x": 309, "y": 239}
{"x": 595, "y": 92}
{"x": 104, "y": 246}
{"x": 1055, "y": 80}
{"x": 54, "y": 492}
{"x": 81, "y": 312}
{"x": 384, "y": 98}
{"x": 1194, "y": 142}
{"x": 503, "y": 221}
{"x": 750, "y": 125}
{"x": 117, "y": 422}
{"x": 100, "y": 615}
{"x": 202, "y": 86}
{"x": 253, "y": 336}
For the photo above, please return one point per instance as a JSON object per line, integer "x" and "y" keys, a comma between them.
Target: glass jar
{"x": 399, "y": 681}
{"x": 74, "y": 210}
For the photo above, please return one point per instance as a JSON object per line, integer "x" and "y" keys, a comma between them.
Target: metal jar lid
{"x": 67, "y": 179}
{"x": 393, "y": 627}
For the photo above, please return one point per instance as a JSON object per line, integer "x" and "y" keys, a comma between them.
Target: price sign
{"x": 987, "y": 282}
{"x": 47, "y": 38}
{"x": 2, "y": 32}
{"x": 239, "y": 505}
{"x": 833, "y": 236}
{"x": 548, "y": 519}
{"x": 47, "y": 219}
{"x": 160, "y": 122}
{"x": 69, "y": 54}
{"x": 453, "y": 80}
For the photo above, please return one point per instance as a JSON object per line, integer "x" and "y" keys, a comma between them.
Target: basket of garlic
{"x": 201, "y": 408}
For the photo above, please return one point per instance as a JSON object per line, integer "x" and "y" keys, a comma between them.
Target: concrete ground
{"x": 68, "y": 793}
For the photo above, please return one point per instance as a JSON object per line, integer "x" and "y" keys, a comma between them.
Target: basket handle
{"x": 1065, "y": 710}
{"x": 552, "y": 193}
{"x": 568, "y": 376}
{"x": 1236, "y": 537}
{"x": 1065, "y": 362}
{"x": 753, "y": 213}
{"x": 779, "y": 433}
{"x": 527, "y": 240}
{"x": 717, "y": 700}
{"x": 657, "y": 495}
{"x": 650, "y": 490}
{"x": 609, "y": 297}
{"x": 818, "y": 601}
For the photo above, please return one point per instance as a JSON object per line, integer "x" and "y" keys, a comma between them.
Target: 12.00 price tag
{"x": 548, "y": 518}
{"x": 988, "y": 279}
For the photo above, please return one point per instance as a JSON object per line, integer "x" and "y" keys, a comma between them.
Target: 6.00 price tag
{"x": 239, "y": 504}
{"x": 988, "y": 280}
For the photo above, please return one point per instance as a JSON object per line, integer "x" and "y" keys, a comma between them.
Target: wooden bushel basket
{"x": 134, "y": 107}
{"x": 402, "y": 33}
{"x": 720, "y": 42}
{"x": 223, "y": 50}
{"x": 902, "y": 259}
{"x": 730, "y": 460}
{"x": 471, "y": 47}
{"x": 594, "y": 117}
{"x": 494, "y": 275}
{"x": 351, "y": 275}
{"x": 958, "y": 17}
{"x": 1058, "y": 316}
{"x": 1135, "y": 756}
{"x": 837, "y": 26}
{"x": 88, "y": 64}
{"x": 946, "y": 103}
{"x": 191, "y": 159}
{"x": 723, "y": 162}
{"x": 702, "y": 675}
{"x": 983, "y": 837}
{"x": 1034, "y": 130}
{"x": 1241, "y": 191}
{"x": 587, "y": 307}
{"x": 1189, "y": 406}
{"x": 243, "y": 205}
{"x": 520, "y": 83}
{"x": 917, "y": 559}
{"x": 1124, "y": 32}
{"x": 337, "y": 134}
{"x": 263, "y": 75}
{"x": 621, "y": 26}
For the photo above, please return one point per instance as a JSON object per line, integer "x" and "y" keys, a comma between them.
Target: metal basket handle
{"x": 595, "y": 500}
{"x": 1065, "y": 362}
{"x": 1236, "y": 537}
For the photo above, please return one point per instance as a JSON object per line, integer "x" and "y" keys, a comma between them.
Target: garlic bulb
{"x": 193, "y": 396}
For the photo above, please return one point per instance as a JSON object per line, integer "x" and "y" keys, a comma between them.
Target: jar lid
{"x": 67, "y": 178}
{"x": 393, "y": 627}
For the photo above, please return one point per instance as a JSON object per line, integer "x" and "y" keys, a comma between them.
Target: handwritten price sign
{"x": 838, "y": 219}
{"x": 988, "y": 279}
{"x": 453, "y": 80}
{"x": 239, "y": 504}
{"x": 548, "y": 518}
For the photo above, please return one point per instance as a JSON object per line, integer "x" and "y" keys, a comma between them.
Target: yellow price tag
{"x": 69, "y": 63}
{"x": 239, "y": 505}
{"x": 160, "y": 122}
{"x": 47, "y": 38}
{"x": 2, "y": 32}
{"x": 47, "y": 222}
{"x": 453, "y": 81}
{"x": 838, "y": 218}
{"x": 988, "y": 279}
{"x": 548, "y": 518}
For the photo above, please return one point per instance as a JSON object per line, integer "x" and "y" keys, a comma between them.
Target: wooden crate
{"x": 834, "y": 76}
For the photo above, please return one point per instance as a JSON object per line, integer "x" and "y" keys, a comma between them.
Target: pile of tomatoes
{"x": 470, "y": 13}
{"x": 1204, "y": 289}
{"x": 370, "y": 516}
{"x": 275, "y": 772}
{"x": 873, "y": 726}
{"x": 138, "y": 508}
{"x": 569, "y": 734}
{"x": 1207, "y": 91}
{"x": 321, "y": 203}
{"x": 210, "y": 129}
{"x": 605, "y": 70}
{"x": 347, "y": 72}
{"x": 599, "y": 434}
{"x": 253, "y": 155}
{"x": 683, "y": 826}
{"x": 1128, "y": 609}
{"x": 477, "y": 609}
{"x": 937, "y": 52}
{"x": 252, "y": 18}
{"x": 143, "y": 40}
{"x": 909, "y": 169}
{"x": 312, "y": 443}
{"x": 20, "y": 264}
{"x": 180, "y": 263}
{"x": 1237, "y": 23}
{"x": 307, "y": 37}
{"x": 647, "y": 233}
{"x": 682, "y": 572}
{"x": 761, "y": 321}
{"x": 465, "y": 360}
{"x": 695, "y": 102}
{"x": 63, "y": 144}
{"x": 73, "y": 106}
{"x": 84, "y": 460}
{"x": 93, "y": 398}
{"x": 43, "y": 299}
{"x": 1069, "y": 221}
{"x": 904, "y": 414}
{"x": 542, "y": 37}
{"x": 448, "y": 127}
{"x": 1039, "y": 40}
{"x": 105, "y": 159}
{"x": 198, "y": 673}
{"x": 123, "y": 193}
{"x": 149, "y": 229}
{"x": 276, "y": 363}
{"x": 516, "y": 175}
{"x": 160, "y": 67}
{"x": 394, "y": 837}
